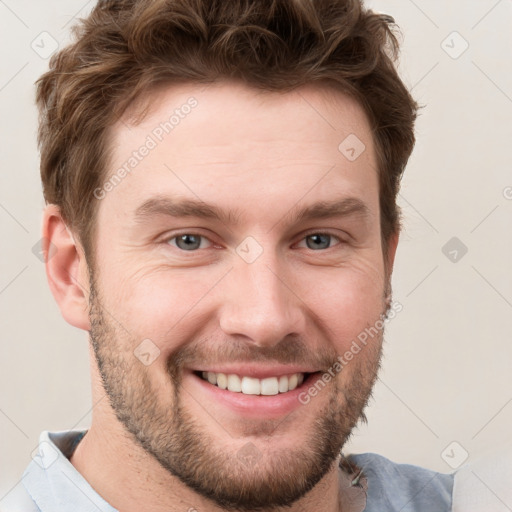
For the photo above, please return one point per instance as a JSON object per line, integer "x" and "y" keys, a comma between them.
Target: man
{"x": 221, "y": 179}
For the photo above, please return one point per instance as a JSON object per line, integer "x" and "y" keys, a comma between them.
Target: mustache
{"x": 291, "y": 350}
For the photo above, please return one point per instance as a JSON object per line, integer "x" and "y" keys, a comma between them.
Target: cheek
{"x": 347, "y": 301}
{"x": 161, "y": 304}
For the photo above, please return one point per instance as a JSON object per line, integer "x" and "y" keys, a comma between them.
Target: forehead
{"x": 230, "y": 144}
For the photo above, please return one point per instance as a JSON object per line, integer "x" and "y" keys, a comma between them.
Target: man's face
{"x": 279, "y": 285}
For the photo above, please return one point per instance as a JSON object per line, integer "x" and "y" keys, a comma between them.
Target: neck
{"x": 131, "y": 480}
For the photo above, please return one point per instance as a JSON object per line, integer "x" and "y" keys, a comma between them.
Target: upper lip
{"x": 255, "y": 371}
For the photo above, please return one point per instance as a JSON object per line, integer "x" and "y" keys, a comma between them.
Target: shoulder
{"x": 485, "y": 483}
{"x": 18, "y": 500}
{"x": 404, "y": 487}
{"x": 34, "y": 491}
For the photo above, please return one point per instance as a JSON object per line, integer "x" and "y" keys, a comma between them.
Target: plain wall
{"x": 446, "y": 374}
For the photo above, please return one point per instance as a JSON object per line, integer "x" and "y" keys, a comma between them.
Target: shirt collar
{"x": 54, "y": 483}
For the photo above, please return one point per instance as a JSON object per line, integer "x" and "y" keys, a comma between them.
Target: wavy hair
{"x": 125, "y": 48}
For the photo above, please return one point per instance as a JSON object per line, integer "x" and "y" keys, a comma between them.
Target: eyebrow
{"x": 164, "y": 205}
{"x": 326, "y": 209}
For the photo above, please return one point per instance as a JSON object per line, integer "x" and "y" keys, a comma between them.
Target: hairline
{"x": 141, "y": 107}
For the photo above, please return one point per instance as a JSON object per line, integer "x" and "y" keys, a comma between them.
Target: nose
{"x": 259, "y": 305}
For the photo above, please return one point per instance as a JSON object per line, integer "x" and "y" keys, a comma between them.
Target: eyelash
{"x": 328, "y": 233}
{"x": 306, "y": 235}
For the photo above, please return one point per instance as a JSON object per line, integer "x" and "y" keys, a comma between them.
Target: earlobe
{"x": 66, "y": 269}
{"x": 389, "y": 260}
{"x": 391, "y": 252}
{"x": 392, "y": 244}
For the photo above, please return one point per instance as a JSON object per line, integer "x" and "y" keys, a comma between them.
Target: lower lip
{"x": 255, "y": 406}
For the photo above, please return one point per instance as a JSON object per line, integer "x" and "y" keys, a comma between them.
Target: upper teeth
{"x": 252, "y": 386}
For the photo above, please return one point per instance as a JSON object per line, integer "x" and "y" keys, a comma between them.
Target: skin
{"x": 302, "y": 301}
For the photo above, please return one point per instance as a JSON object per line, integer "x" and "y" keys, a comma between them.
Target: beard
{"x": 247, "y": 476}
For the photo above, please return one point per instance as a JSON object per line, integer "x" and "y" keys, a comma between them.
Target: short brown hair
{"x": 127, "y": 47}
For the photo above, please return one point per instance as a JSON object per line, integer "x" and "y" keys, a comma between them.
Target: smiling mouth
{"x": 268, "y": 386}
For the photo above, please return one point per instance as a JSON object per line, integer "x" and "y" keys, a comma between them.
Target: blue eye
{"x": 318, "y": 241}
{"x": 189, "y": 242}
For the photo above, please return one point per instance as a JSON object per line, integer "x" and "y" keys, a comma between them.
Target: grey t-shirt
{"x": 403, "y": 487}
{"x": 51, "y": 483}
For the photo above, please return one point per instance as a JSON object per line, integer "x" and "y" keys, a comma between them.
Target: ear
{"x": 66, "y": 269}
{"x": 389, "y": 261}
{"x": 392, "y": 244}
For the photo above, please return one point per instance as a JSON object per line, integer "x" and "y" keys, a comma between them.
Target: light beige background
{"x": 448, "y": 355}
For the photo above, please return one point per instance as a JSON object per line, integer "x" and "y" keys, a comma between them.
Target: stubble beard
{"x": 185, "y": 447}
